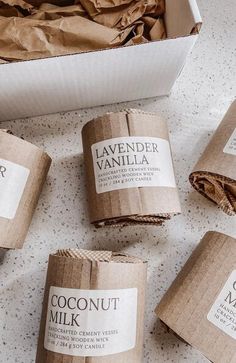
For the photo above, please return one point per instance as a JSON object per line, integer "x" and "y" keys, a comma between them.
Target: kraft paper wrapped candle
{"x": 93, "y": 308}
{"x": 200, "y": 306}
{"x": 130, "y": 175}
{"x": 23, "y": 169}
{"x": 214, "y": 176}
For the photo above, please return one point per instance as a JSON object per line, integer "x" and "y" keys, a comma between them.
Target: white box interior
{"x": 69, "y": 82}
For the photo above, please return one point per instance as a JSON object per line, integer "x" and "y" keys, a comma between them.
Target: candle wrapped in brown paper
{"x": 130, "y": 175}
{"x": 93, "y": 308}
{"x": 63, "y": 27}
{"x": 214, "y": 176}
{"x": 200, "y": 306}
{"x": 23, "y": 170}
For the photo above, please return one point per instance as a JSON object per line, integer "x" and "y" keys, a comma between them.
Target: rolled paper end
{"x": 135, "y": 220}
{"x": 217, "y": 188}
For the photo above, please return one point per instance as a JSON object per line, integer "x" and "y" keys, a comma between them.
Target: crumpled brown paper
{"x": 218, "y": 188}
{"x": 28, "y": 32}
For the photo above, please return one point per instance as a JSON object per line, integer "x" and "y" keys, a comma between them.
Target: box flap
{"x": 182, "y": 18}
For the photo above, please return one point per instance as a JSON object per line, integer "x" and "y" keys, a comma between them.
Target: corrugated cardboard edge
{"x": 218, "y": 178}
{"x": 98, "y": 256}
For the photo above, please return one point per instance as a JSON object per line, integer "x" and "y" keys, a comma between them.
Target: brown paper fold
{"x": 131, "y": 206}
{"x": 185, "y": 307}
{"x": 27, "y": 32}
{"x": 123, "y": 13}
{"x": 74, "y": 36}
{"x": 15, "y": 4}
{"x": 21, "y": 152}
{"x": 52, "y": 12}
{"x": 95, "y": 270}
{"x": 214, "y": 176}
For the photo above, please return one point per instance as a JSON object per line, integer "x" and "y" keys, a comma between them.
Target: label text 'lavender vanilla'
{"x": 129, "y": 162}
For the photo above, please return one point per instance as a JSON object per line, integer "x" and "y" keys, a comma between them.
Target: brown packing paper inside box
{"x": 200, "y": 305}
{"x": 142, "y": 189}
{"x": 214, "y": 176}
{"x": 39, "y": 30}
{"x": 23, "y": 170}
{"x": 106, "y": 293}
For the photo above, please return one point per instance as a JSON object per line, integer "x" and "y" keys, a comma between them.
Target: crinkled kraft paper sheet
{"x": 31, "y": 31}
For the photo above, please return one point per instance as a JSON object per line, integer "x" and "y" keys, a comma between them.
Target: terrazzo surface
{"x": 195, "y": 107}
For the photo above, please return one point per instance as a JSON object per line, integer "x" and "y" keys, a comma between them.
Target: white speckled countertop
{"x": 195, "y": 107}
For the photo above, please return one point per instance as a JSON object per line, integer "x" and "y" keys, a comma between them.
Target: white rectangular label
{"x": 230, "y": 147}
{"x": 223, "y": 311}
{"x": 90, "y": 323}
{"x": 129, "y": 162}
{"x": 13, "y": 179}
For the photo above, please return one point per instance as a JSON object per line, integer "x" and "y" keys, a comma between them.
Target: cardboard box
{"x": 200, "y": 305}
{"x": 23, "y": 170}
{"x": 214, "y": 176}
{"x": 129, "y": 169}
{"x": 89, "y": 79}
{"x": 93, "y": 308}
